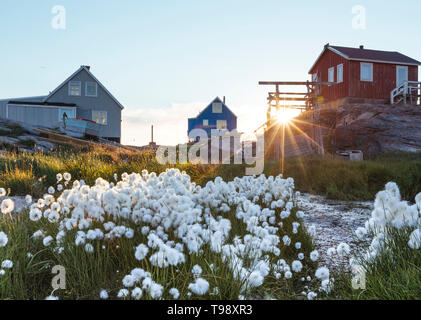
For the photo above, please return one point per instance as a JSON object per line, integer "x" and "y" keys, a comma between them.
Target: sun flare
{"x": 285, "y": 115}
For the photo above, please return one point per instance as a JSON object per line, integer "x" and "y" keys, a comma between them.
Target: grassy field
{"x": 390, "y": 276}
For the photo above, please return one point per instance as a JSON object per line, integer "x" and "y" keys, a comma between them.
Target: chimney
{"x": 326, "y": 45}
{"x": 224, "y": 100}
{"x": 362, "y": 47}
{"x": 87, "y": 67}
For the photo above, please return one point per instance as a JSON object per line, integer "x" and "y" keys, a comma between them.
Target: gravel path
{"x": 335, "y": 222}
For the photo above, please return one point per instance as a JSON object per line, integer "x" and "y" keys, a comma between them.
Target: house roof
{"x": 87, "y": 69}
{"x": 35, "y": 103}
{"x": 362, "y": 54}
{"x": 217, "y": 99}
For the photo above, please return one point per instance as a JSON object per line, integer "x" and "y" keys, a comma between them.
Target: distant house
{"x": 361, "y": 75}
{"x": 79, "y": 96}
{"x": 216, "y": 118}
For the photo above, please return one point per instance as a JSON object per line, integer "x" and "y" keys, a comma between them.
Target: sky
{"x": 166, "y": 60}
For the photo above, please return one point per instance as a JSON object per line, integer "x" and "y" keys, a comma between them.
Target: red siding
{"x": 384, "y": 78}
{"x": 327, "y": 60}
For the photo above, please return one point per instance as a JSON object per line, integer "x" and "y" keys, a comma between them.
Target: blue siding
{"x": 207, "y": 114}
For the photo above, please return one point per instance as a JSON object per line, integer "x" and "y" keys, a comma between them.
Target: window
{"x": 91, "y": 89}
{"x": 331, "y": 75}
{"x": 340, "y": 73}
{"x": 75, "y": 88}
{"x": 205, "y": 123}
{"x": 367, "y": 72}
{"x": 221, "y": 124}
{"x": 401, "y": 75}
{"x": 100, "y": 117}
{"x": 217, "y": 107}
{"x": 70, "y": 113}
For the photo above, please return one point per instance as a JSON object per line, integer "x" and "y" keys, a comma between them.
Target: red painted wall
{"x": 384, "y": 78}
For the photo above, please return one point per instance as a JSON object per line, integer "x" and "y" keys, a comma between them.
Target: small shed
{"x": 361, "y": 75}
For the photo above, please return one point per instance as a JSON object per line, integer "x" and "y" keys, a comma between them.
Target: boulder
{"x": 375, "y": 128}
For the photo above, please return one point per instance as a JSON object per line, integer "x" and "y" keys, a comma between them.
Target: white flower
{"x": 2, "y": 272}
{"x": 28, "y": 199}
{"x": 47, "y": 241}
{"x": 3, "y": 239}
{"x": 35, "y": 214}
{"x": 59, "y": 187}
{"x": 2, "y": 192}
{"x": 141, "y": 252}
{"x": 301, "y": 256}
{"x": 7, "y": 206}
{"x": 197, "y": 270}
{"x": 51, "y": 190}
{"x": 67, "y": 176}
{"x": 137, "y": 293}
{"x": 288, "y": 275}
{"x": 89, "y": 248}
{"x": 296, "y": 266}
{"x": 199, "y": 287}
{"x": 331, "y": 251}
{"x": 7, "y": 264}
{"x": 175, "y": 293}
{"x": 298, "y": 245}
{"x": 286, "y": 240}
{"x": 322, "y": 273}
{"x": 311, "y": 295}
{"x": 156, "y": 290}
{"x": 123, "y": 293}
{"x": 361, "y": 232}
{"x": 103, "y": 294}
{"x": 255, "y": 279}
{"x": 314, "y": 255}
{"x": 343, "y": 249}
{"x": 415, "y": 239}
{"x": 129, "y": 281}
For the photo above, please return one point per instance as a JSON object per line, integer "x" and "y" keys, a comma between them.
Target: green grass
{"x": 394, "y": 274}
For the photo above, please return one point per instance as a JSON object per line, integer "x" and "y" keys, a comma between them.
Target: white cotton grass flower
{"x": 28, "y": 199}
{"x": 288, "y": 275}
{"x": 156, "y": 290}
{"x": 331, "y": 251}
{"x": 296, "y": 266}
{"x": 199, "y": 287}
{"x": 51, "y": 190}
{"x": 3, "y": 239}
{"x": 123, "y": 293}
{"x": 415, "y": 239}
{"x": 129, "y": 281}
{"x": 298, "y": 245}
{"x": 343, "y": 249}
{"x": 59, "y": 187}
{"x": 47, "y": 241}
{"x": 175, "y": 293}
{"x": 103, "y": 294}
{"x": 311, "y": 295}
{"x": 141, "y": 252}
{"x": 301, "y": 256}
{"x": 314, "y": 255}
{"x": 2, "y": 272}
{"x": 67, "y": 176}
{"x": 89, "y": 248}
{"x": 322, "y": 273}
{"x": 361, "y": 232}
{"x": 7, "y": 264}
{"x": 197, "y": 271}
{"x": 2, "y": 192}
{"x": 137, "y": 293}
{"x": 7, "y": 206}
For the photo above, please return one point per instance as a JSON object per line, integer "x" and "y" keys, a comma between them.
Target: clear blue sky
{"x": 161, "y": 56}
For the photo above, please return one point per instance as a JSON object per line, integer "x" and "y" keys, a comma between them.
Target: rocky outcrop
{"x": 378, "y": 129}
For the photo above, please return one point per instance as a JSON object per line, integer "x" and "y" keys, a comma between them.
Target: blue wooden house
{"x": 216, "y": 117}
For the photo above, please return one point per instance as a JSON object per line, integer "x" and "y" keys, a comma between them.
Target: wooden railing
{"x": 408, "y": 90}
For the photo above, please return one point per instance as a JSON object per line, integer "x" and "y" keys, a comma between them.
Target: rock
{"x": 378, "y": 129}
{"x": 5, "y": 129}
{"x": 46, "y": 145}
{"x": 8, "y": 140}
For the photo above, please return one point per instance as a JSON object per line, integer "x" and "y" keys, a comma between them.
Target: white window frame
{"x": 99, "y": 111}
{"x": 365, "y": 64}
{"x": 205, "y": 122}
{"x": 60, "y": 119}
{"x": 214, "y": 110}
{"x": 220, "y": 127}
{"x": 86, "y": 89}
{"x": 75, "y": 83}
{"x": 331, "y": 75}
{"x": 340, "y": 75}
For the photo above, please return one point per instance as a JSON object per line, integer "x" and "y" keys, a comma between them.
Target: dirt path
{"x": 335, "y": 222}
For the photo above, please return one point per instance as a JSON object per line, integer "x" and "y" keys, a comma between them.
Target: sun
{"x": 285, "y": 115}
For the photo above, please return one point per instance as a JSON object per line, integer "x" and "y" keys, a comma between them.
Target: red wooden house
{"x": 361, "y": 75}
